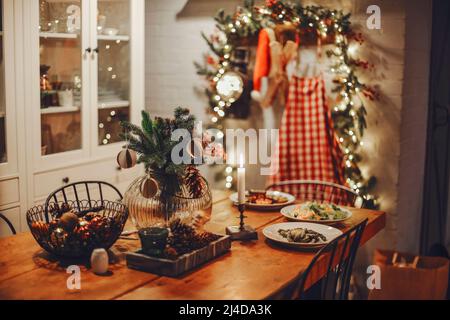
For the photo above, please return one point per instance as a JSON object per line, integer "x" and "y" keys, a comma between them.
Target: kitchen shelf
{"x": 113, "y": 38}
{"x": 58, "y": 35}
{"x": 113, "y": 104}
{"x": 53, "y": 110}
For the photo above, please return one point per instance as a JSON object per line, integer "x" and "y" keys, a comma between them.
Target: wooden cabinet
{"x": 12, "y": 199}
{"x": 81, "y": 72}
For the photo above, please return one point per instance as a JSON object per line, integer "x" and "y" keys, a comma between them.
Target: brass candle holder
{"x": 242, "y": 232}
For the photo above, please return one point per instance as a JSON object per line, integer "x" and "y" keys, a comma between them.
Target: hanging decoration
{"x": 149, "y": 187}
{"x": 349, "y": 112}
{"x": 126, "y": 158}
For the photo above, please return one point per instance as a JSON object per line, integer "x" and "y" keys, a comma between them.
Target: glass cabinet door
{"x": 3, "y": 151}
{"x": 60, "y": 40}
{"x": 113, "y": 48}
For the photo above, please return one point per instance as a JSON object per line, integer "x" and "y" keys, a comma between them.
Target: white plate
{"x": 271, "y": 232}
{"x": 276, "y": 206}
{"x": 287, "y": 212}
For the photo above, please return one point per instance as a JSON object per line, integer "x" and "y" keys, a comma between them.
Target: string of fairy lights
{"x": 333, "y": 26}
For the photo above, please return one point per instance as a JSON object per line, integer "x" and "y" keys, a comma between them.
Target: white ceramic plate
{"x": 271, "y": 232}
{"x": 266, "y": 207}
{"x": 287, "y": 212}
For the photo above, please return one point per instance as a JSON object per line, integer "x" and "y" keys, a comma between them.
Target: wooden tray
{"x": 172, "y": 268}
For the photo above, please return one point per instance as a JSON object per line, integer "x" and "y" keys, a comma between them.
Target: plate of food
{"x": 326, "y": 213}
{"x": 265, "y": 200}
{"x": 301, "y": 234}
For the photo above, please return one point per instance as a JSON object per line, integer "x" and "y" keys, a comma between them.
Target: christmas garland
{"x": 349, "y": 113}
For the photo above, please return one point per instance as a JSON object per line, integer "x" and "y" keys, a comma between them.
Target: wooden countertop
{"x": 251, "y": 270}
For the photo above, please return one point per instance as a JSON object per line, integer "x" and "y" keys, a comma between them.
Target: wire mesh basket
{"x": 76, "y": 228}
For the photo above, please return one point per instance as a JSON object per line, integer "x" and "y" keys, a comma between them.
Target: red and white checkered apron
{"x": 307, "y": 148}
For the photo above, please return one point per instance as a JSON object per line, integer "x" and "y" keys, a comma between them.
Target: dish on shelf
{"x": 301, "y": 234}
{"x": 262, "y": 200}
{"x": 318, "y": 212}
{"x": 111, "y": 31}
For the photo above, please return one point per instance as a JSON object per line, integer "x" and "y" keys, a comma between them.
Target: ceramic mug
{"x": 65, "y": 98}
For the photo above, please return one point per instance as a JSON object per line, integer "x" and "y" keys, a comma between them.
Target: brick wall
{"x": 173, "y": 42}
{"x": 394, "y": 141}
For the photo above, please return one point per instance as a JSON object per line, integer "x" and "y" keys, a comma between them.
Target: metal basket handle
{"x": 62, "y": 192}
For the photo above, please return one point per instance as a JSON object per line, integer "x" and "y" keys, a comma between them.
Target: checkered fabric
{"x": 307, "y": 148}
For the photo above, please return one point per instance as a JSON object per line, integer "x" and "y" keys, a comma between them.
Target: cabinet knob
{"x": 96, "y": 50}
{"x": 88, "y": 50}
{"x": 65, "y": 180}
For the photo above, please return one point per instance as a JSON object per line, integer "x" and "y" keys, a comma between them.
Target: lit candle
{"x": 241, "y": 181}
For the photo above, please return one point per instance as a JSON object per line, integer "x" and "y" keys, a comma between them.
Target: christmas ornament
{"x": 53, "y": 224}
{"x": 82, "y": 223}
{"x": 99, "y": 261}
{"x": 40, "y": 226}
{"x": 59, "y": 235}
{"x": 149, "y": 187}
{"x": 97, "y": 224}
{"x": 126, "y": 158}
{"x": 82, "y": 232}
{"x": 89, "y": 216}
{"x": 68, "y": 221}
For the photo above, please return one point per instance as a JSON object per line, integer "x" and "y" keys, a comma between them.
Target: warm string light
{"x": 229, "y": 177}
{"x": 349, "y": 112}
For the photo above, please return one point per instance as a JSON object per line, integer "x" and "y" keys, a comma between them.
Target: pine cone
{"x": 185, "y": 239}
{"x": 195, "y": 182}
{"x": 206, "y": 238}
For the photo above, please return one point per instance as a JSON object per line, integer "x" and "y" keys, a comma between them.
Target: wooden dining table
{"x": 250, "y": 270}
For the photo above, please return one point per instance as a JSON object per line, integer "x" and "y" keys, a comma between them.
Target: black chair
{"x": 314, "y": 190}
{"x": 69, "y": 195}
{"x": 338, "y": 257}
{"x": 10, "y": 225}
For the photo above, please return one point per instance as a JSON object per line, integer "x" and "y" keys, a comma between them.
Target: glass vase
{"x": 158, "y": 211}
